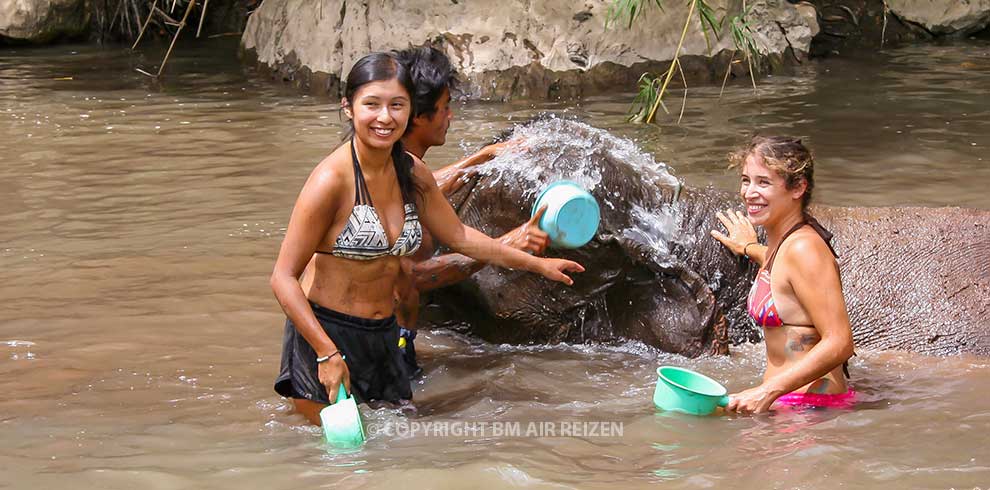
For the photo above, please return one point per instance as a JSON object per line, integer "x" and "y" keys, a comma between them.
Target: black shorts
{"x": 371, "y": 351}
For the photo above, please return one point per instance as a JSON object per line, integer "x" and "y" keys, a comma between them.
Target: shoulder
{"x": 331, "y": 173}
{"x": 328, "y": 182}
{"x": 806, "y": 252}
{"x": 420, "y": 170}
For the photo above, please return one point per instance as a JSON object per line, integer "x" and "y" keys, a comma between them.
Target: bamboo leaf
{"x": 651, "y": 88}
{"x": 627, "y": 11}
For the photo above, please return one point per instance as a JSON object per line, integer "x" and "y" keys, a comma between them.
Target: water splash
{"x": 554, "y": 148}
{"x": 654, "y": 227}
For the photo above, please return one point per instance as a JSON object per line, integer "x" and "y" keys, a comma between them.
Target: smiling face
{"x": 765, "y": 192}
{"x": 380, "y": 112}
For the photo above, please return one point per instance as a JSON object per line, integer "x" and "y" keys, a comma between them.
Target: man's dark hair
{"x": 431, "y": 73}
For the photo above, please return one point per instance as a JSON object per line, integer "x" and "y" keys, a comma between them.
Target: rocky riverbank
{"x": 516, "y": 48}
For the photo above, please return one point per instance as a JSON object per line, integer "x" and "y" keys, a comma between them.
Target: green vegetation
{"x": 651, "y": 87}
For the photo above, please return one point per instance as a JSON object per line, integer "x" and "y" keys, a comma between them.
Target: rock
{"x": 944, "y": 17}
{"x": 511, "y": 48}
{"x": 810, "y": 15}
{"x": 784, "y": 27}
{"x": 40, "y": 21}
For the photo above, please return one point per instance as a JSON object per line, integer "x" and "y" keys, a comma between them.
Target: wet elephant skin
{"x": 915, "y": 279}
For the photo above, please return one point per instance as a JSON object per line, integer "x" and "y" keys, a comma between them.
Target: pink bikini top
{"x": 760, "y": 303}
{"x": 761, "y": 306}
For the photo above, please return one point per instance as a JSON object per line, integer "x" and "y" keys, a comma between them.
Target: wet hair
{"x": 378, "y": 67}
{"x": 786, "y": 156}
{"x": 431, "y": 74}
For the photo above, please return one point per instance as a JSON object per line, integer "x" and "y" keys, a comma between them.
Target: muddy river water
{"x": 139, "y": 338}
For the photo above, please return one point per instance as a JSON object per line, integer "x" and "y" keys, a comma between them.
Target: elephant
{"x": 914, "y": 279}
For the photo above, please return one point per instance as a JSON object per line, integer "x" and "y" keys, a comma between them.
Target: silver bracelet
{"x": 321, "y": 360}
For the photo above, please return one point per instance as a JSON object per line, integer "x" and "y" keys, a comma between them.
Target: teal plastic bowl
{"x": 342, "y": 425}
{"x": 683, "y": 390}
{"x": 572, "y": 215}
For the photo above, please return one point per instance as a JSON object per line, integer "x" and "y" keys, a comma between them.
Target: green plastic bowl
{"x": 342, "y": 425}
{"x": 683, "y": 390}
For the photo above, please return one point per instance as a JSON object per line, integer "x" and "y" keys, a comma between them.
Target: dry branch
{"x": 192, "y": 3}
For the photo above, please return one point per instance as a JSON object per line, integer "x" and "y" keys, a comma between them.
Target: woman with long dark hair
{"x": 360, "y": 211}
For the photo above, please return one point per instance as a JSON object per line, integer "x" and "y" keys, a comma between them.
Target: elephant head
{"x": 633, "y": 287}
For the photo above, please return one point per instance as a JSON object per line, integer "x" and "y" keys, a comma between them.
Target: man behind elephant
{"x": 434, "y": 77}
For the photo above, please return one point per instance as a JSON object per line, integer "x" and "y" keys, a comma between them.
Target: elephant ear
{"x": 667, "y": 305}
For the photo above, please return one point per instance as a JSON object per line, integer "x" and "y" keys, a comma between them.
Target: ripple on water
{"x": 156, "y": 337}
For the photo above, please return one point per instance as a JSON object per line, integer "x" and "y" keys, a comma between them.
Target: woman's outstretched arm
{"x": 440, "y": 218}
{"x": 447, "y": 269}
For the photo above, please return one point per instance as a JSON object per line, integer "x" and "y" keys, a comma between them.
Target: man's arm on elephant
{"x": 450, "y": 178}
{"x": 452, "y": 268}
{"x": 444, "y": 270}
{"x": 741, "y": 238}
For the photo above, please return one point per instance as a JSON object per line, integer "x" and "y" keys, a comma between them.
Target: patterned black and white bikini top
{"x": 363, "y": 237}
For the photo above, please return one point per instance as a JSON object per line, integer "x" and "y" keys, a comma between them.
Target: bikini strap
{"x": 773, "y": 253}
{"x": 822, "y": 232}
{"x": 815, "y": 225}
{"x": 361, "y": 194}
